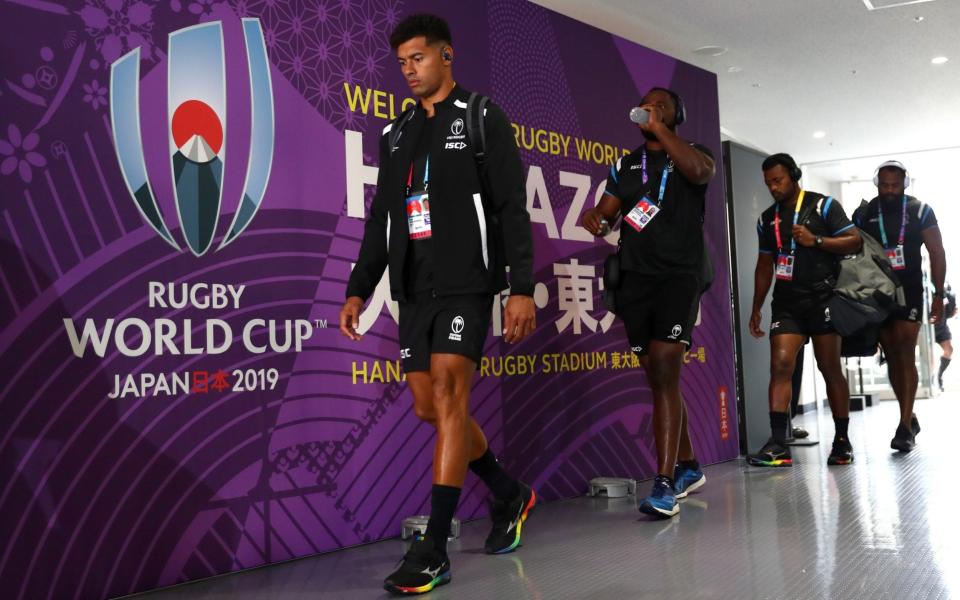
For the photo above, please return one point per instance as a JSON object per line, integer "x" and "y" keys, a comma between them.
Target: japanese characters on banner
{"x": 184, "y": 187}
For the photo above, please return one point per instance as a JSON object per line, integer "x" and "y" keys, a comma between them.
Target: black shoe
{"x": 841, "y": 453}
{"x": 508, "y": 517}
{"x": 799, "y": 433}
{"x": 423, "y": 568}
{"x": 773, "y": 454}
{"x": 903, "y": 440}
{"x": 915, "y": 425}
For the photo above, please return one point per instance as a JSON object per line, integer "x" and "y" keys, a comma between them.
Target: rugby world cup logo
{"x": 196, "y": 127}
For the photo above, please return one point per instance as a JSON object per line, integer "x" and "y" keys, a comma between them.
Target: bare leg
{"x": 899, "y": 341}
{"x": 783, "y": 359}
{"x": 422, "y": 387}
{"x": 663, "y": 371}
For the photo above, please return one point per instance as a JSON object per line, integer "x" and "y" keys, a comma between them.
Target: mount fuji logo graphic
{"x": 196, "y": 124}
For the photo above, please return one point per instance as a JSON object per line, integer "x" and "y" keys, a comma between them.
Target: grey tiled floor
{"x": 886, "y": 527}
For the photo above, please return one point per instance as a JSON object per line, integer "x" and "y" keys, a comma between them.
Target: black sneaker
{"x": 773, "y": 454}
{"x": 799, "y": 433}
{"x": 903, "y": 440}
{"x": 508, "y": 517}
{"x": 423, "y": 568}
{"x": 841, "y": 453}
{"x": 915, "y": 425}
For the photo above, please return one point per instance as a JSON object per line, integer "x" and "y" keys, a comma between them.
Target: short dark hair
{"x": 784, "y": 160}
{"x": 673, "y": 96}
{"x": 432, "y": 27}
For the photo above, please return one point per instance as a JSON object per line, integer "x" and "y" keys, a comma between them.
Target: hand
{"x": 803, "y": 236}
{"x": 519, "y": 319}
{"x": 936, "y": 310}
{"x": 594, "y": 222}
{"x": 350, "y": 318}
{"x": 755, "y": 330}
{"x": 655, "y": 122}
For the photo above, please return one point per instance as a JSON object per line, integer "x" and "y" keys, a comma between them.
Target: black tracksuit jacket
{"x": 474, "y": 237}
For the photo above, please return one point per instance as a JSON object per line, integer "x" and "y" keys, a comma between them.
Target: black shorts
{"x": 444, "y": 325}
{"x": 808, "y": 321}
{"x": 913, "y": 311}
{"x": 662, "y": 308}
{"x": 941, "y": 332}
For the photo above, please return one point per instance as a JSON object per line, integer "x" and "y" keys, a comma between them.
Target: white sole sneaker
{"x": 696, "y": 485}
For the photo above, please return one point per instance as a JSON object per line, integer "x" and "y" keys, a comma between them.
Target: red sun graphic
{"x": 194, "y": 117}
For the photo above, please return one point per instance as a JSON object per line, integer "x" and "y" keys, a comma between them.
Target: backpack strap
{"x": 860, "y": 213}
{"x": 396, "y": 128}
{"x": 476, "y": 132}
{"x": 921, "y": 208}
{"x": 807, "y": 210}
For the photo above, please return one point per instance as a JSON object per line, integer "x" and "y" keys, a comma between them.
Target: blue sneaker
{"x": 661, "y": 503}
{"x": 686, "y": 480}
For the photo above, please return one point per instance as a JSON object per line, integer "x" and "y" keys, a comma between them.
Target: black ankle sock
{"x": 840, "y": 427}
{"x": 443, "y": 503}
{"x": 502, "y": 486}
{"x": 779, "y": 421}
{"x": 944, "y": 363}
{"x": 691, "y": 464}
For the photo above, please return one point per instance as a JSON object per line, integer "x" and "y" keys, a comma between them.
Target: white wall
{"x": 815, "y": 182}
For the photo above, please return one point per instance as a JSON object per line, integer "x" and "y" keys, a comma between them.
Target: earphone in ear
{"x": 896, "y": 164}
{"x": 445, "y": 55}
{"x": 786, "y": 161}
{"x": 681, "y": 108}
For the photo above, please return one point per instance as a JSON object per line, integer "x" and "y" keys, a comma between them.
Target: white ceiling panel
{"x": 792, "y": 68}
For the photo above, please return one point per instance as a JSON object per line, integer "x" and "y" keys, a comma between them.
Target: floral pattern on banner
{"x": 19, "y": 153}
{"x": 95, "y": 94}
{"x": 118, "y": 26}
{"x": 319, "y": 45}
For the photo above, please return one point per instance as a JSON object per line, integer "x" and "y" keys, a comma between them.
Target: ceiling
{"x": 863, "y": 77}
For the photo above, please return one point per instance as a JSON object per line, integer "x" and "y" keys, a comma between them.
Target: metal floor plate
{"x": 885, "y": 527}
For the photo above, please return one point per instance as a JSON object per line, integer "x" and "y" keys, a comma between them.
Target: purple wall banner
{"x": 184, "y": 184}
